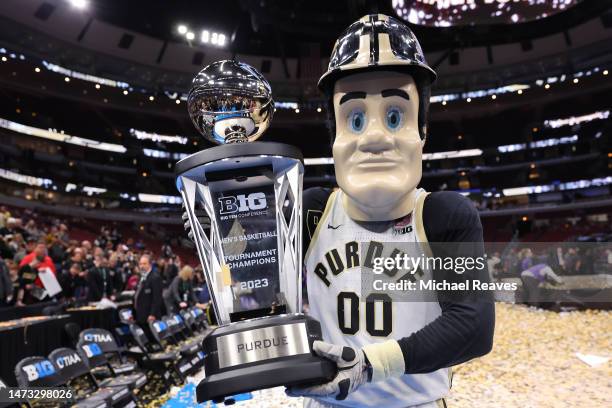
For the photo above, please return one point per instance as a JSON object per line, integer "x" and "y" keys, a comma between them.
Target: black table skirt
{"x": 13, "y": 312}
{"x": 36, "y": 339}
{"x": 106, "y": 319}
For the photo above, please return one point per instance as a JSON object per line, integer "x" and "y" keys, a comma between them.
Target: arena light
{"x": 205, "y": 38}
{"x": 286, "y": 105}
{"x": 213, "y": 38}
{"x": 60, "y": 137}
{"x": 155, "y": 137}
{"x": 576, "y": 120}
{"x": 452, "y": 154}
{"x": 189, "y": 35}
{"x": 159, "y": 199}
{"x": 161, "y": 154}
{"x": 182, "y": 29}
{"x": 89, "y": 190}
{"x": 538, "y": 144}
{"x": 79, "y": 4}
{"x": 24, "y": 179}
{"x": 570, "y": 185}
{"x": 318, "y": 161}
{"x": 84, "y": 77}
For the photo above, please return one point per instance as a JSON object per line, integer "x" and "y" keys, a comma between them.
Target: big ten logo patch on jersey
{"x": 312, "y": 220}
{"x": 242, "y": 203}
{"x": 38, "y": 370}
{"x": 403, "y": 225}
{"x": 68, "y": 360}
{"x": 92, "y": 350}
{"x": 354, "y": 254}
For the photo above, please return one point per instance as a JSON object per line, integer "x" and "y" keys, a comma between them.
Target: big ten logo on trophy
{"x": 242, "y": 203}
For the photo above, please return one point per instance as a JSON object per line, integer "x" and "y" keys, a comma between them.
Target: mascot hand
{"x": 352, "y": 372}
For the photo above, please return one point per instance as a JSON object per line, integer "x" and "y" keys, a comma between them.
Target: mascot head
{"x": 378, "y": 86}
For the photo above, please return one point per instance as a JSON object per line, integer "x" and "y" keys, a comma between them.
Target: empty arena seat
{"x": 37, "y": 371}
{"x": 109, "y": 346}
{"x": 71, "y": 366}
{"x": 93, "y": 355}
{"x": 158, "y": 361}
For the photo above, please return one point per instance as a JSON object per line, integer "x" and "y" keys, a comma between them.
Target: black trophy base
{"x": 265, "y": 372}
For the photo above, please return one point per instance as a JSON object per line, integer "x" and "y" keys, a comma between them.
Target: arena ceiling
{"x": 269, "y": 27}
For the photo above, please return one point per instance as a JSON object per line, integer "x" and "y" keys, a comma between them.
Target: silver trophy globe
{"x": 252, "y": 252}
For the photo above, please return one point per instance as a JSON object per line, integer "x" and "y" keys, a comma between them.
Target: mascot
{"x": 378, "y": 87}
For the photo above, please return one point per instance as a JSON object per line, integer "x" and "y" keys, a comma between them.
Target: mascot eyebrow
{"x": 395, "y": 92}
{"x": 385, "y": 94}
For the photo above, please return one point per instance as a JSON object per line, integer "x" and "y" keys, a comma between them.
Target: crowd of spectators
{"x": 562, "y": 259}
{"x": 87, "y": 271}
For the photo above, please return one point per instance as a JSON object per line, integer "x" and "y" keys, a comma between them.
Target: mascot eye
{"x": 394, "y": 118}
{"x": 356, "y": 120}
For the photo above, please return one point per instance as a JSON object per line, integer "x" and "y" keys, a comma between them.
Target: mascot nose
{"x": 375, "y": 140}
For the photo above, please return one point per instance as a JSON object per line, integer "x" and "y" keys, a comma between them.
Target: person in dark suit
{"x": 101, "y": 280}
{"x": 148, "y": 296}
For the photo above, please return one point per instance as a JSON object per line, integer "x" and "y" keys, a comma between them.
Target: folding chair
{"x": 122, "y": 331}
{"x": 189, "y": 321}
{"x": 39, "y": 371}
{"x": 200, "y": 318}
{"x": 93, "y": 355}
{"x": 161, "y": 362}
{"x": 71, "y": 366}
{"x": 190, "y": 349}
{"x": 110, "y": 348}
{"x": 163, "y": 337}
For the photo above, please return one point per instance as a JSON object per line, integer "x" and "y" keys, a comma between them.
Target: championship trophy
{"x": 252, "y": 252}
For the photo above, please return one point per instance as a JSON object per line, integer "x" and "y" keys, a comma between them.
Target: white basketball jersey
{"x": 354, "y": 324}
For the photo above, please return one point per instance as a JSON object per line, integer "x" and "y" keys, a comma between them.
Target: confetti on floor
{"x": 534, "y": 364}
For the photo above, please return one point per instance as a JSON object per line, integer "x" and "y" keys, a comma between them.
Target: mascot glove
{"x": 352, "y": 372}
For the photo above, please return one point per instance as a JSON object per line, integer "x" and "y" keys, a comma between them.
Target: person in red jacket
{"x": 34, "y": 263}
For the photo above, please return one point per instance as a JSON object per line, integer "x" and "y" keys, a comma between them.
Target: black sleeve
{"x": 313, "y": 204}
{"x": 465, "y": 329}
{"x": 156, "y": 292}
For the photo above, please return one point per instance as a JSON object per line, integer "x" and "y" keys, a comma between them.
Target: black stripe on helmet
{"x": 373, "y": 39}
